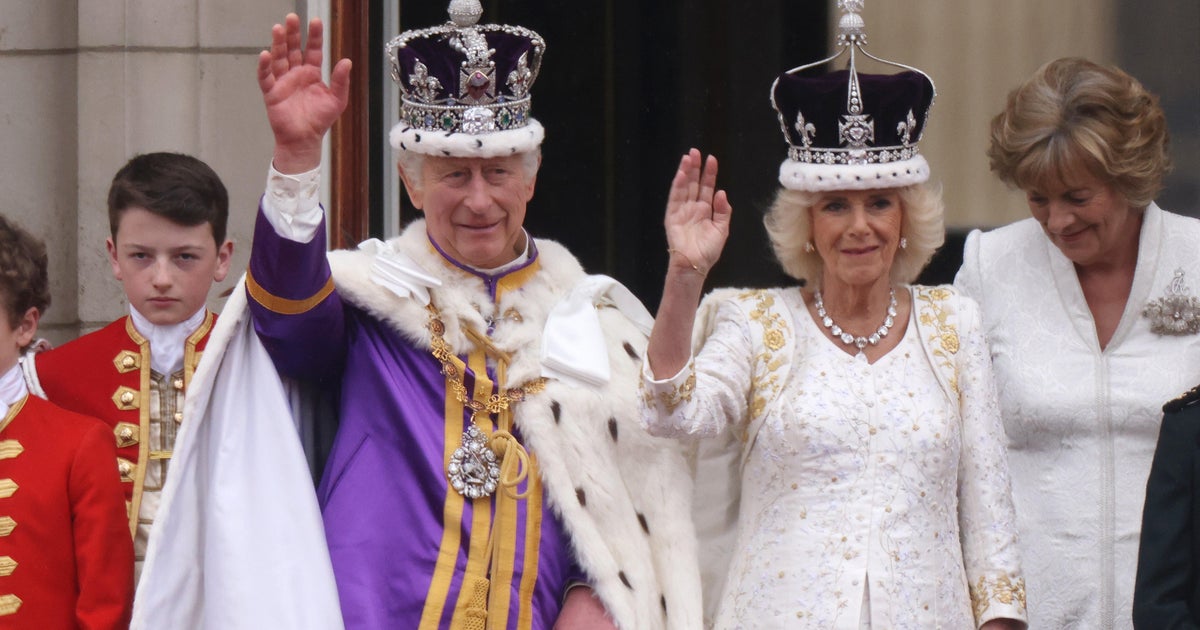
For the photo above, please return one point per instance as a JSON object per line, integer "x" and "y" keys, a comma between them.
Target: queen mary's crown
{"x": 847, "y": 130}
{"x": 465, "y": 86}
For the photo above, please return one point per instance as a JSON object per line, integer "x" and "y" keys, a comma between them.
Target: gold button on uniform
{"x": 125, "y": 467}
{"x": 127, "y": 361}
{"x": 177, "y": 383}
{"x": 178, "y": 416}
{"x": 126, "y": 434}
{"x": 125, "y": 398}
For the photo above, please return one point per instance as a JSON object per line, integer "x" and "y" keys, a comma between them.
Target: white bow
{"x": 397, "y": 272}
{"x": 573, "y": 344}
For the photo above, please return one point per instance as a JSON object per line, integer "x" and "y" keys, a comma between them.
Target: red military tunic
{"x": 106, "y": 374}
{"x": 64, "y": 559}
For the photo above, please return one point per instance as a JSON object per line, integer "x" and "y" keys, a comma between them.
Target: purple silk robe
{"x": 384, "y": 487}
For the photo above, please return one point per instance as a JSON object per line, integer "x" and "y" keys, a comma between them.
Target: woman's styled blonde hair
{"x": 789, "y": 226}
{"x": 1074, "y": 114}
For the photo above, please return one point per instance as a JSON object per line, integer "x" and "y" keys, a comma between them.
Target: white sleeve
{"x": 985, "y": 508}
{"x": 711, "y": 391}
{"x": 967, "y": 280}
{"x": 291, "y": 204}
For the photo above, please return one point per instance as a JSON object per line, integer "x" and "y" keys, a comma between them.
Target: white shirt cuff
{"x": 679, "y": 378}
{"x": 291, "y": 204}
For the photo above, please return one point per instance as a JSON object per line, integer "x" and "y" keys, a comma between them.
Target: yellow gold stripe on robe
{"x": 452, "y": 512}
{"x": 282, "y": 305}
{"x": 533, "y": 544}
{"x": 515, "y": 280}
{"x": 476, "y": 574}
{"x": 507, "y": 522}
{"x": 505, "y": 552}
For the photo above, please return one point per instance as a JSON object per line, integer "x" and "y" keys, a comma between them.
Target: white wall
{"x": 976, "y": 51}
{"x": 90, "y": 83}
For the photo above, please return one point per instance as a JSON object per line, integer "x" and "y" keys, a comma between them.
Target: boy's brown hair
{"x": 177, "y": 187}
{"x": 24, "y": 282}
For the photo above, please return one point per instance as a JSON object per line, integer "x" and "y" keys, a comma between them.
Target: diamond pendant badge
{"x": 473, "y": 470}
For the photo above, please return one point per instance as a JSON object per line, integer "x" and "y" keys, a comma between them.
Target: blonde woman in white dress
{"x": 874, "y": 489}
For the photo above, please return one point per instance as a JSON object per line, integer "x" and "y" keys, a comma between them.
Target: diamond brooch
{"x": 1177, "y": 312}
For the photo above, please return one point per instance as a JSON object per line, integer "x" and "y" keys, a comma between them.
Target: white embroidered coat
{"x": 858, "y": 473}
{"x": 1081, "y": 422}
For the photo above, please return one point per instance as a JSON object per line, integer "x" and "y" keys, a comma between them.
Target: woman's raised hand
{"x": 697, "y": 219}
{"x": 300, "y": 106}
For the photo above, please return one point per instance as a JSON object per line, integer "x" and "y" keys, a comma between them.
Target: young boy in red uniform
{"x": 65, "y": 561}
{"x": 167, "y": 214}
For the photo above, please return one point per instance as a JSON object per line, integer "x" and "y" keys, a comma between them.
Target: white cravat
{"x": 12, "y": 389}
{"x": 573, "y": 343}
{"x": 397, "y": 272}
{"x": 166, "y": 342}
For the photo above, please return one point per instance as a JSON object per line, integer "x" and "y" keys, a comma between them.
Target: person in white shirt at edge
{"x": 874, "y": 490}
{"x": 1089, "y": 311}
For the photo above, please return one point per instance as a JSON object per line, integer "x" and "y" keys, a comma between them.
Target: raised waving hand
{"x": 301, "y": 107}
{"x": 697, "y": 224}
{"x": 697, "y": 219}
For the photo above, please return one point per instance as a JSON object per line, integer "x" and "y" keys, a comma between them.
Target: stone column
{"x": 37, "y": 122}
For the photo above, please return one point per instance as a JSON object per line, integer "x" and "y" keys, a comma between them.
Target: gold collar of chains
{"x": 474, "y": 470}
{"x": 496, "y": 403}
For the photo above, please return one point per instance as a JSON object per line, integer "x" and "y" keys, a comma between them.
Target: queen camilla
{"x": 868, "y": 449}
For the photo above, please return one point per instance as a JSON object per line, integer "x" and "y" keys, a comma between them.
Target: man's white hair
{"x": 413, "y": 165}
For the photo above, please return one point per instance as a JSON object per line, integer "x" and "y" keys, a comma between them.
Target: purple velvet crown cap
{"x": 465, "y": 88}
{"x": 852, "y": 131}
{"x": 822, "y": 100}
{"x": 445, "y": 63}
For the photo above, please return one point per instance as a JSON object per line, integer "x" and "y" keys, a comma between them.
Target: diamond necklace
{"x": 849, "y": 339}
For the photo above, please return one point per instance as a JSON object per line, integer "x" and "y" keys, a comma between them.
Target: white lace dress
{"x": 865, "y": 502}
{"x": 1081, "y": 422}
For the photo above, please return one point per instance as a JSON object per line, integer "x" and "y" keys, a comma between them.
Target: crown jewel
{"x": 465, "y": 77}
{"x": 850, "y": 130}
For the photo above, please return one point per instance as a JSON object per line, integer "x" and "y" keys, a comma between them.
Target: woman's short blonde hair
{"x": 789, "y": 226}
{"x": 1073, "y": 114}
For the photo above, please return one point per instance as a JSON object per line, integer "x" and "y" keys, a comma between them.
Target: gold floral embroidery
{"x": 765, "y": 383}
{"x": 944, "y": 341}
{"x": 495, "y": 403}
{"x": 678, "y": 394}
{"x": 1000, "y": 589}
